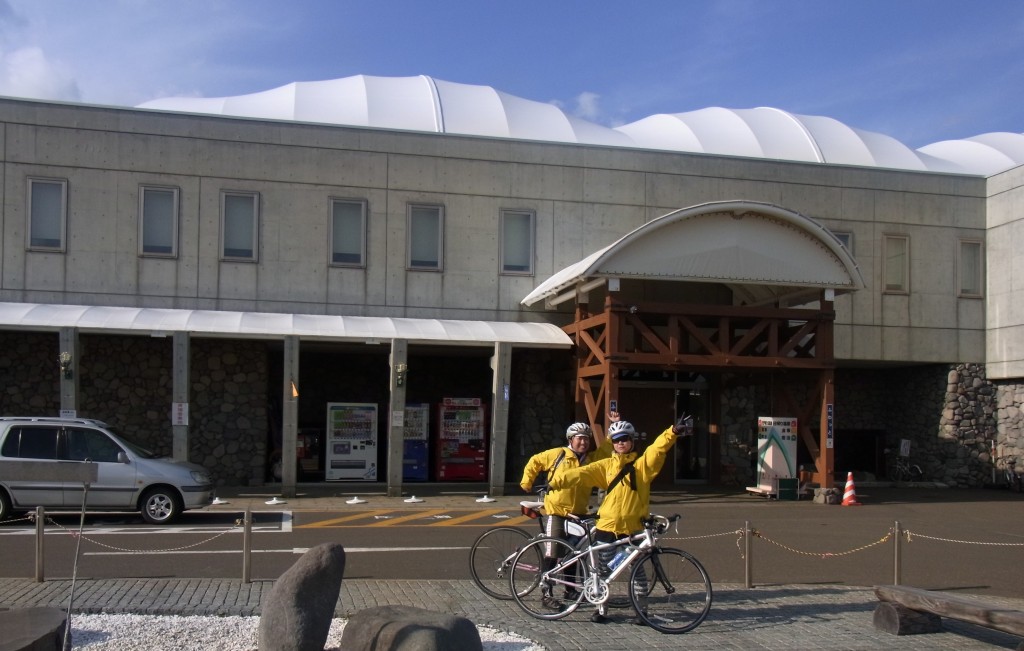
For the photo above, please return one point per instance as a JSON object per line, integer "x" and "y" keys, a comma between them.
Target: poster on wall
{"x": 351, "y": 441}
{"x": 776, "y": 453}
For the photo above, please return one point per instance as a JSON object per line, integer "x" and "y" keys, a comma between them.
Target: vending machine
{"x": 351, "y": 441}
{"x": 461, "y": 440}
{"x": 416, "y": 429}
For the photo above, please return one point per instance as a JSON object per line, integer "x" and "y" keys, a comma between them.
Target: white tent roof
{"x": 425, "y": 104}
{"x": 760, "y": 250}
{"x": 265, "y": 325}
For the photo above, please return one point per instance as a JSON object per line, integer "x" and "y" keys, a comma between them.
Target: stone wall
{"x": 127, "y": 382}
{"x": 541, "y": 405}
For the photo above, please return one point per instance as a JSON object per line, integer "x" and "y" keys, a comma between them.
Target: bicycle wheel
{"x": 678, "y": 590}
{"x": 915, "y": 472}
{"x": 491, "y": 556}
{"x": 549, "y": 593}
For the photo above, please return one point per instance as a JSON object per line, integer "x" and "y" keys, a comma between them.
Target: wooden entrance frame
{"x": 695, "y": 338}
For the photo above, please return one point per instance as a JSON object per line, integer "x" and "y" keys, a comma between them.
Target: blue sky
{"x": 918, "y": 70}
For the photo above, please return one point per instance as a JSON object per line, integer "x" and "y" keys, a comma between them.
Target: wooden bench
{"x": 907, "y": 611}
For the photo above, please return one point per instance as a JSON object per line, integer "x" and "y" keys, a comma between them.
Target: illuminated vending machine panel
{"x": 351, "y": 441}
{"x": 461, "y": 440}
{"x": 416, "y": 428}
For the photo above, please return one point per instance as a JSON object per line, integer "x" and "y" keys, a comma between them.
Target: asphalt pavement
{"x": 772, "y": 617}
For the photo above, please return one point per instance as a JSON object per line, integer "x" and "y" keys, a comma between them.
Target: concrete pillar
{"x": 180, "y": 395}
{"x": 290, "y": 416}
{"x": 501, "y": 364}
{"x": 396, "y": 415}
{"x": 69, "y": 362}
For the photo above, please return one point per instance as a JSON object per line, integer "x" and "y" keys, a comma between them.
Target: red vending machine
{"x": 461, "y": 440}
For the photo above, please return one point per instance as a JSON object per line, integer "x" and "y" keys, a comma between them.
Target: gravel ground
{"x": 187, "y": 633}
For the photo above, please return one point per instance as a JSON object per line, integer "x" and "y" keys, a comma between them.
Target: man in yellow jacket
{"x": 560, "y": 504}
{"x": 626, "y": 477}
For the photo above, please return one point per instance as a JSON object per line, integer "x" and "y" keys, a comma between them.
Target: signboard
{"x": 776, "y": 453}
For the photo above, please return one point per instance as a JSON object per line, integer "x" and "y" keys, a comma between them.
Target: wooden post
{"x": 247, "y": 546}
{"x": 40, "y": 529}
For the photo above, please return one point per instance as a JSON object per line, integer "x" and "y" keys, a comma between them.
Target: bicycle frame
{"x": 595, "y": 590}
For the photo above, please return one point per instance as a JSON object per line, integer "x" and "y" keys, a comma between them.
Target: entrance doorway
{"x": 653, "y": 408}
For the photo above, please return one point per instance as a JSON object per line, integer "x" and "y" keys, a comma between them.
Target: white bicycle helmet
{"x": 578, "y": 429}
{"x": 621, "y": 428}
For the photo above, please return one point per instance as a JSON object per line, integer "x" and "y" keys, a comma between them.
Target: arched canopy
{"x": 764, "y": 253}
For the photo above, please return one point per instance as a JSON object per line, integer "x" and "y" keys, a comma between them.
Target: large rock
{"x": 32, "y": 629}
{"x": 406, "y": 628}
{"x": 298, "y": 612}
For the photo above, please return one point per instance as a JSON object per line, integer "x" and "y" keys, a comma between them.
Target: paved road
{"x": 802, "y": 613}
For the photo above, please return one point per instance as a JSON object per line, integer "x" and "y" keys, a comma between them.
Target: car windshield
{"x": 131, "y": 445}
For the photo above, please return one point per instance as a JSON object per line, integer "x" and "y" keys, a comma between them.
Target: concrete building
{"x": 238, "y": 280}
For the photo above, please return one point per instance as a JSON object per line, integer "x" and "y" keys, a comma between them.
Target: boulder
{"x": 32, "y": 629}
{"x": 406, "y": 628}
{"x": 297, "y": 614}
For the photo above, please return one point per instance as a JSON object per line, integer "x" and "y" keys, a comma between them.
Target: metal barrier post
{"x": 747, "y": 561}
{"x": 40, "y": 528}
{"x": 897, "y": 563}
{"x": 247, "y": 545}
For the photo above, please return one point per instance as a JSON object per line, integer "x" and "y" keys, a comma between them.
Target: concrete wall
{"x": 1004, "y": 350}
{"x": 584, "y": 198}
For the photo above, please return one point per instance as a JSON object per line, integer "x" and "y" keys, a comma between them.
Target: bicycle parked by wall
{"x": 669, "y": 589}
{"x": 901, "y": 470}
{"x": 1008, "y": 471}
{"x": 492, "y": 553}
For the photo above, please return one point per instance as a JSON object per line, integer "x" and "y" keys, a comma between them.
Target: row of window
{"x": 970, "y": 264}
{"x": 239, "y": 234}
{"x": 239, "y": 228}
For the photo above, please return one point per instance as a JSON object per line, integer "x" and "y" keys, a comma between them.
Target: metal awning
{"x": 267, "y": 325}
{"x": 761, "y": 251}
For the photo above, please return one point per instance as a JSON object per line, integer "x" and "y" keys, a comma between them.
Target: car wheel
{"x": 160, "y": 506}
{"x": 5, "y": 505}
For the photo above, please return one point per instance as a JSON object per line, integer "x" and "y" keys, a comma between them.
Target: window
{"x": 348, "y": 233}
{"x": 846, "y": 239}
{"x": 896, "y": 263}
{"x": 158, "y": 221}
{"x": 239, "y": 226}
{"x": 426, "y": 237}
{"x": 970, "y": 269}
{"x": 516, "y": 242}
{"x": 47, "y": 207}
{"x": 31, "y": 443}
{"x": 91, "y": 445}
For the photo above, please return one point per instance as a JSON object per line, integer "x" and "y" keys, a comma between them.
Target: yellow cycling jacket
{"x": 623, "y": 509}
{"x": 569, "y": 500}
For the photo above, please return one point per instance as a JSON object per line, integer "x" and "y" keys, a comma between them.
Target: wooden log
{"x": 897, "y": 619}
{"x": 943, "y": 604}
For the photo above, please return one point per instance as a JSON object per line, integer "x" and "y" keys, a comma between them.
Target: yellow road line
{"x": 347, "y": 518}
{"x": 405, "y": 518}
{"x": 475, "y": 515}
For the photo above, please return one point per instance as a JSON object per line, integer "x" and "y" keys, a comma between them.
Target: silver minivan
{"x": 129, "y": 477}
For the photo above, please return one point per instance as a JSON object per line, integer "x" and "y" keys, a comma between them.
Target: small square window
{"x": 348, "y": 233}
{"x": 239, "y": 226}
{"x": 47, "y": 208}
{"x": 971, "y": 269}
{"x": 425, "y": 242}
{"x": 158, "y": 221}
{"x": 846, "y": 239}
{"x": 517, "y": 242}
{"x": 896, "y": 263}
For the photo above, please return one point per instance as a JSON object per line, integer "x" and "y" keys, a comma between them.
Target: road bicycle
{"x": 492, "y": 553}
{"x": 902, "y": 470}
{"x": 669, "y": 589}
{"x": 1012, "y": 480}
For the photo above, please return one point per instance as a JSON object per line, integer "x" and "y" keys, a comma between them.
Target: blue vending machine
{"x": 415, "y": 456}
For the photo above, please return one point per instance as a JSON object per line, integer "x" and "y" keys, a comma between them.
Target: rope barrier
{"x": 75, "y": 534}
{"x": 823, "y": 555}
{"x": 911, "y": 535}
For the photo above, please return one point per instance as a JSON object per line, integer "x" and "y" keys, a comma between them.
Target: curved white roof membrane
{"x": 426, "y": 104}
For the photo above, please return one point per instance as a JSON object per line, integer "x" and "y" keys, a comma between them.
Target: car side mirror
{"x": 122, "y": 457}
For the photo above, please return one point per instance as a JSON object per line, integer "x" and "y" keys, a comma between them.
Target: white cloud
{"x": 587, "y": 106}
{"x": 27, "y": 72}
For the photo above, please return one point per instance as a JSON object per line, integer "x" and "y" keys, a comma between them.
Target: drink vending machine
{"x": 416, "y": 428}
{"x": 461, "y": 440}
{"x": 351, "y": 441}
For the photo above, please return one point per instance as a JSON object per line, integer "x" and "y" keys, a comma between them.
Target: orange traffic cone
{"x": 850, "y": 496}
